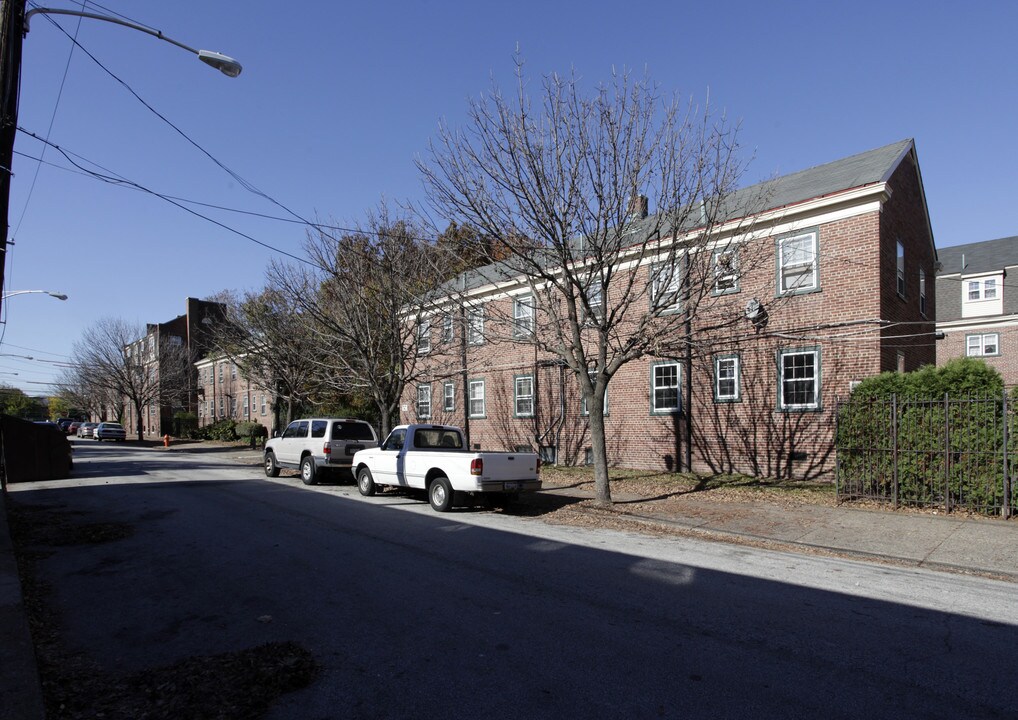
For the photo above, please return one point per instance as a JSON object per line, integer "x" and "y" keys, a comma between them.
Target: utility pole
{"x": 12, "y": 21}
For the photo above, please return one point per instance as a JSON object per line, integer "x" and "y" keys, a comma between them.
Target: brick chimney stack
{"x": 639, "y": 206}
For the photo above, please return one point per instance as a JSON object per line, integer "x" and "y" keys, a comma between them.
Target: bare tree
{"x": 365, "y": 296}
{"x": 109, "y": 358}
{"x": 96, "y": 401}
{"x": 261, "y": 333}
{"x": 560, "y": 187}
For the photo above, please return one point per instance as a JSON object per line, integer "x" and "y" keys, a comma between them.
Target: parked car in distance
{"x": 109, "y": 431}
{"x": 64, "y": 422}
{"x": 72, "y": 429}
{"x": 315, "y": 445}
{"x": 86, "y": 429}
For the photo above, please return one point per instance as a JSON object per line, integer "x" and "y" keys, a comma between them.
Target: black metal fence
{"x": 953, "y": 453}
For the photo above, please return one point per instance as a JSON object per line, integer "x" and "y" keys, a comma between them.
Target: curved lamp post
{"x": 13, "y": 27}
{"x": 223, "y": 63}
{"x": 58, "y": 296}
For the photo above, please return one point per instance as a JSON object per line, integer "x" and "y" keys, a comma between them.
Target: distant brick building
{"x": 977, "y": 311}
{"x": 224, "y": 393}
{"x": 187, "y": 331}
{"x": 850, "y": 280}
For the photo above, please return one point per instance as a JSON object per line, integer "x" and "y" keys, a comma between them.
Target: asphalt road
{"x": 475, "y": 614}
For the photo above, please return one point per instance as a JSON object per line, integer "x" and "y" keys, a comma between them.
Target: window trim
{"x": 424, "y": 336}
{"x": 448, "y": 328}
{"x": 654, "y": 410}
{"x": 779, "y": 241}
{"x": 475, "y": 313}
{"x": 900, "y": 269}
{"x": 676, "y": 286}
{"x": 519, "y": 330}
{"x": 922, "y": 292}
{"x": 718, "y": 276}
{"x": 517, "y": 396}
{"x": 737, "y": 397}
{"x": 583, "y": 401}
{"x": 817, "y": 405}
{"x": 418, "y": 403}
{"x": 982, "y": 344}
{"x": 448, "y": 406}
{"x": 470, "y": 399}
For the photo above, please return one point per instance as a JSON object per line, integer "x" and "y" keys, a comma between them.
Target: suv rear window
{"x": 352, "y": 431}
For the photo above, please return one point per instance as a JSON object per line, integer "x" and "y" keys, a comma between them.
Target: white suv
{"x": 314, "y": 445}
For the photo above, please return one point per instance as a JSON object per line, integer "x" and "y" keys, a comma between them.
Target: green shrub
{"x": 944, "y": 424}
{"x": 245, "y": 429}
{"x": 185, "y": 424}
{"x": 222, "y": 430}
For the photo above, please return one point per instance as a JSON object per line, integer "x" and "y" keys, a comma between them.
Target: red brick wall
{"x": 954, "y": 346}
{"x": 857, "y": 278}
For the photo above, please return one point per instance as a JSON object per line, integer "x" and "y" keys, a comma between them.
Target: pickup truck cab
{"x": 434, "y": 458}
{"x": 316, "y": 445}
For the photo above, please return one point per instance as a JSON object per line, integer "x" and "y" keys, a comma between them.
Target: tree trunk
{"x": 598, "y": 446}
{"x": 138, "y": 421}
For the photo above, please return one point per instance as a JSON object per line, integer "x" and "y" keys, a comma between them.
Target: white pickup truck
{"x": 433, "y": 458}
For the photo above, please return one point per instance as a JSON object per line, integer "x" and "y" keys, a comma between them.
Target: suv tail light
{"x": 327, "y": 449}
{"x": 477, "y": 466}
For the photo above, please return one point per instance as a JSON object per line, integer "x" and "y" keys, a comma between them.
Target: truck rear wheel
{"x": 366, "y": 483}
{"x": 440, "y": 494}
{"x": 307, "y": 470}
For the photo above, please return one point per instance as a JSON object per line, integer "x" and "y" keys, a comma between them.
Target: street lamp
{"x": 58, "y": 296}
{"x": 223, "y": 63}
{"x": 13, "y": 26}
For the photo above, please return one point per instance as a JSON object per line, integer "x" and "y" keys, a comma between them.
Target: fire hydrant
{"x": 166, "y": 440}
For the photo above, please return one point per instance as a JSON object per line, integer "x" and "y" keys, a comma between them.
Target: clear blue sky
{"x": 336, "y": 98}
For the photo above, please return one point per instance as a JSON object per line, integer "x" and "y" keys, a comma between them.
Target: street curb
{"x": 20, "y": 685}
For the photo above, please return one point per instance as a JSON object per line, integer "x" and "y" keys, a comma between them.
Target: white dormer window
{"x": 982, "y": 296}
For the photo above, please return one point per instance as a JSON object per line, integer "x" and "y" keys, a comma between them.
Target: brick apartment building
{"x": 976, "y": 313}
{"x": 187, "y": 331}
{"x": 224, "y": 393}
{"x": 848, "y": 283}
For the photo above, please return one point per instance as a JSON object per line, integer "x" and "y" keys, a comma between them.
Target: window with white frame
{"x": 585, "y": 408}
{"x": 666, "y": 286}
{"x": 595, "y": 298}
{"x": 423, "y": 401}
{"x": 797, "y": 263}
{"x": 233, "y": 372}
{"x": 799, "y": 382}
{"x": 523, "y": 316}
{"x": 664, "y": 388}
{"x": 727, "y": 381}
{"x": 424, "y": 336}
{"x": 524, "y": 396}
{"x": 447, "y": 328}
{"x": 980, "y": 345}
{"x": 901, "y": 269}
{"x": 922, "y": 291}
{"x": 247, "y": 412}
{"x": 982, "y": 289}
{"x": 448, "y": 396}
{"x": 725, "y": 264}
{"x": 475, "y": 326}
{"x": 263, "y": 404}
{"x": 476, "y": 398}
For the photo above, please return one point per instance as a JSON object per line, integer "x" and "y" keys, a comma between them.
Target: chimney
{"x": 638, "y": 206}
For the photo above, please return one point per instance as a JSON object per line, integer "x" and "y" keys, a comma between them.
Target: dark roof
{"x": 985, "y": 256}
{"x": 867, "y": 168}
{"x": 859, "y": 170}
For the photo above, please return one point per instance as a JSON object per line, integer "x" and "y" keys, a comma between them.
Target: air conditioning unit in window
{"x": 756, "y": 313}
